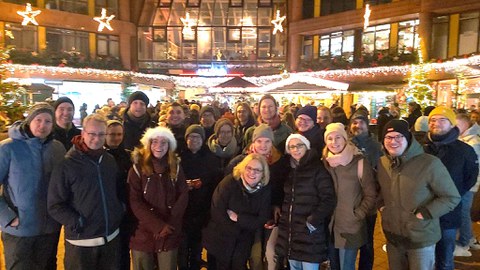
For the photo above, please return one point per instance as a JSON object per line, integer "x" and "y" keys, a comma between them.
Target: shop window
{"x": 21, "y": 37}
{"x": 264, "y": 41}
{"x": 62, "y": 40}
{"x": 335, "y": 6}
{"x": 440, "y": 37}
{"x": 73, "y": 6}
{"x": 337, "y": 44}
{"x": 376, "y": 39}
{"x": 144, "y": 43}
{"x": 234, "y": 34}
{"x": 408, "y": 36}
{"x": 469, "y": 29}
{"x": 161, "y": 16}
{"x": 107, "y": 45}
{"x": 110, "y": 5}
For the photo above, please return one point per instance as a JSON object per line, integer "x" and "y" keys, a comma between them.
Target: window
{"x": 440, "y": 37}
{"x": 408, "y": 36}
{"x": 164, "y": 3}
{"x": 377, "y": 2}
{"x": 265, "y": 3}
{"x": 376, "y": 39}
{"x": 193, "y": 3}
{"x": 469, "y": 28}
{"x": 110, "y": 5}
{"x": 144, "y": 43}
{"x": 235, "y": 3}
{"x": 67, "y": 41}
{"x": 74, "y": 6}
{"x": 20, "y": 2}
{"x": 338, "y": 44}
{"x": 108, "y": 45}
{"x": 335, "y": 6}
{"x": 21, "y": 37}
{"x": 234, "y": 34}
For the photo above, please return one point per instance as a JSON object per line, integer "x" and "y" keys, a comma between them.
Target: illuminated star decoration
{"x": 188, "y": 23}
{"x": 104, "y": 21}
{"x": 29, "y": 15}
{"x": 9, "y": 34}
{"x": 277, "y": 23}
{"x": 366, "y": 16}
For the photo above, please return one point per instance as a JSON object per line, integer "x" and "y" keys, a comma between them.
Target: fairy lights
{"x": 277, "y": 22}
{"x": 366, "y": 16}
{"x": 29, "y": 15}
{"x": 104, "y": 21}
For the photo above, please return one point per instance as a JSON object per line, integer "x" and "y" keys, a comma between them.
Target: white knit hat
{"x": 336, "y": 127}
{"x": 297, "y": 136}
{"x": 156, "y": 132}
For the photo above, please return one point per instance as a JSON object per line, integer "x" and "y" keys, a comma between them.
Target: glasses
{"x": 253, "y": 170}
{"x": 296, "y": 146}
{"x": 194, "y": 137}
{"x": 439, "y": 120}
{"x": 115, "y": 134}
{"x": 304, "y": 120}
{"x": 397, "y": 138}
{"x": 99, "y": 135}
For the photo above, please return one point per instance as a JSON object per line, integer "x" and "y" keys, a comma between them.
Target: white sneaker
{"x": 461, "y": 251}
{"x": 474, "y": 244}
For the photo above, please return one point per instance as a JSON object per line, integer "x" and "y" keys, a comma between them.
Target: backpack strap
{"x": 136, "y": 170}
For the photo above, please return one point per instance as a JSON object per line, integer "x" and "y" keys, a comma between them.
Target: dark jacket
{"x": 124, "y": 163}
{"x": 369, "y": 147}
{"x": 309, "y": 197}
{"x": 462, "y": 165}
{"x": 412, "y": 117}
{"x": 223, "y": 236}
{"x": 205, "y": 166}
{"x": 65, "y": 135}
{"x": 241, "y": 130}
{"x": 414, "y": 182}
{"x": 179, "y": 134}
{"x": 83, "y": 195}
{"x": 134, "y": 130}
{"x": 156, "y": 200}
{"x": 315, "y": 137}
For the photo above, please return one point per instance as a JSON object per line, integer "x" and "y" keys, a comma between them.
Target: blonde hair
{"x": 240, "y": 168}
{"x": 95, "y": 117}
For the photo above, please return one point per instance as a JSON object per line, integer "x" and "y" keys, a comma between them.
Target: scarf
{"x": 222, "y": 152}
{"x": 274, "y": 123}
{"x": 343, "y": 158}
{"x": 435, "y": 142}
{"x": 140, "y": 121}
{"x": 80, "y": 145}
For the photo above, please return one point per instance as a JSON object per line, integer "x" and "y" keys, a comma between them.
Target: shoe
{"x": 461, "y": 251}
{"x": 474, "y": 244}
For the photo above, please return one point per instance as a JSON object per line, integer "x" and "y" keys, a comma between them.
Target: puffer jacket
{"x": 309, "y": 197}
{"x": 26, "y": 164}
{"x": 414, "y": 182}
{"x": 156, "y": 200}
{"x": 471, "y": 137}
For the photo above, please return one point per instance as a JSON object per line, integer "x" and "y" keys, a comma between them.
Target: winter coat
{"x": 315, "y": 137}
{"x": 471, "y": 137}
{"x": 355, "y": 200}
{"x": 133, "y": 130}
{"x": 370, "y": 148}
{"x": 225, "y": 154}
{"x": 83, "y": 195}
{"x": 124, "y": 163}
{"x": 156, "y": 200}
{"x": 462, "y": 164}
{"x": 240, "y": 131}
{"x": 179, "y": 134}
{"x": 412, "y": 117}
{"x": 223, "y": 236}
{"x": 65, "y": 135}
{"x": 309, "y": 197}
{"x": 205, "y": 166}
{"x": 414, "y": 183}
{"x": 26, "y": 164}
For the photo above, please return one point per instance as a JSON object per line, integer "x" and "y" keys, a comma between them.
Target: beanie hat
{"x": 195, "y": 129}
{"x": 209, "y": 109}
{"x": 359, "y": 114}
{"x": 194, "y": 107}
{"x": 267, "y": 96}
{"x": 220, "y": 123}
{"x": 42, "y": 107}
{"x": 61, "y": 100}
{"x": 297, "y": 136}
{"x": 156, "y": 132}
{"x": 444, "y": 111}
{"x": 138, "y": 95}
{"x": 310, "y": 111}
{"x": 335, "y": 127}
{"x": 400, "y": 126}
{"x": 262, "y": 131}
{"x": 421, "y": 124}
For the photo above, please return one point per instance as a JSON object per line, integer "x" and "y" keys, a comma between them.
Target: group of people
{"x": 248, "y": 187}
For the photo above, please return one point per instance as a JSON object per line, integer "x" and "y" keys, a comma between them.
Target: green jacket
{"x": 413, "y": 183}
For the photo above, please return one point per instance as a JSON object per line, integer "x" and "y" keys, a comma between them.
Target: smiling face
{"x": 268, "y": 110}
{"x": 159, "y": 146}
{"x": 242, "y": 114}
{"x": 253, "y": 173}
{"x": 304, "y": 123}
{"x": 263, "y": 146}
{"x": 297, "y": 148}
{"x": 41, "y": 125}
{"x": 225, "y": 135}
{"x": 439, "y": 125}
{"x": 194, "y": 142}
{"x": 138, "y": 108}
{"x": 114, "y": 136}
{"x": 175, "y": 115}
{"x": 358, "y": 127}
{"x": 94, "y": 133}
{"x": 395, "y": 143}
{"x": 323, "y": 118}
{"x": 335, "y": 142}
{"x": 207, "y": 120}
{"x": 64, "y": 114}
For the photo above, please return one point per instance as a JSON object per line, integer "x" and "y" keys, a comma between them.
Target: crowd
{"x": 260, "y": 187}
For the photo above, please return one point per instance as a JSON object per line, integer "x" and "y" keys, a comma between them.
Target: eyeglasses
{"x": 397, "y": 138}
{"x": 296, "y": 146}
{"x": 439, "y": 120}
{"x": 253, "y": 170}
{"x": 99, "y": 135}
{"x": 304, "y": 120}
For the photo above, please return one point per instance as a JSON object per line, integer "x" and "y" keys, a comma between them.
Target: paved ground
{"x": 461, "y": 263}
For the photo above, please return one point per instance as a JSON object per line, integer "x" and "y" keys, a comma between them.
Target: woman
{"x": 356, "y": 191}
{"x": 308, "y": 204}
{"x": 244, "y": 119}
{"x": 240, "y": 206}
{"x": 222, "y": 143}
{"x": 158, "y": 198}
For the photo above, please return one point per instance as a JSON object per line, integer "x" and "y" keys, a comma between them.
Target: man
{"x": 175, "y": 121}
{"x": 27, "y": 158}
{"x": 83, "y": 196}
{"x": 461, "y": 162}
{"x": 136, "y": 119}
{"x": 414, "y": 112}
{"x": 208, "y": 117}
{"x": 416, "y": 189}
{"x": 202, "y": 170}
{"x": 372, "y": 150}
{"x": 244, "y": 119}
{"x": 64, "y": 129}
{"x": 268, "y": 109}
{"x": 305, "y": 122}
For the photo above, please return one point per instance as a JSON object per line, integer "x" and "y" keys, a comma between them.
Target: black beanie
{"x": 400, "y": 126}
{"x": 138, "y": 95}
{"x": 210, "y": 109}
{"x": 61, "y": 100}
{"x": 360, "y": 114}
{"x": 310, "y": 111}
{"x": 195, "y": 129}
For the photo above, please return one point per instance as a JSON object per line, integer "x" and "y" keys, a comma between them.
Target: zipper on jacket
{"x": 290, "y": 210}
{"x": 102, "y": 191}
{"x": 146, "y": 186}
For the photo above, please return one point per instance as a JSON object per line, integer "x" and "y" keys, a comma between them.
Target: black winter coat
{"x": 65, "y": 136}
{"x": 133, "y": 131}
{"x": 223, "y": 237}
{"x": 309, "y": 197}
{"x": 315, "y": 137}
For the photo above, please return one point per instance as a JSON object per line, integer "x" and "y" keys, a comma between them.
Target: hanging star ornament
{"x": 277, "y": 23}
{"x": 29, "y": 15}
{"x": 104, "y": 21}
{"x": 188, "y": 23}
{"x": 366, "y": 16}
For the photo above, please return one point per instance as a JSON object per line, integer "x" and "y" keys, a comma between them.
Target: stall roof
{"x": 303, "y": 83}
{"x": 235, "y": 85}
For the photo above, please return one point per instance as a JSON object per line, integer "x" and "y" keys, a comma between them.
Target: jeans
{"x": 444, "y": 250}
{"x": 160, "y": 260}
{"x": 348, "y": 256}
{"x": 298, "y": 265}
{"x": 400, "y": 258}
{"x": 270, "y": 249}
{"x": 465, "y": 230}
{"x": 365, "y": 261}
{"x": 106, "y": 257}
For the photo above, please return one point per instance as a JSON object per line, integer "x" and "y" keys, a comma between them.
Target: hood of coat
{"x": 412, "y": 151}
{"x": 19, "y": 131}
{"x": 474, "y": 130}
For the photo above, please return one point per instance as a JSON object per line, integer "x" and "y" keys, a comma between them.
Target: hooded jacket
{"x": 411, "y": 183}
{"x": 26, "y": 164}
{"x": 471, "y": 137}
{"x": 65, "y": 136}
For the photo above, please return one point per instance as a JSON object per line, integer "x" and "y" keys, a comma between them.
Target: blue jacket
{"x": 26, "y": 164}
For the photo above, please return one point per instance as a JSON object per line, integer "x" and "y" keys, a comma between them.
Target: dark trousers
{"x": 190, "y": 251}
{"x": 106, "y": 257}
{"x": 30, "y": 253}
{"x": 366, "y": 251}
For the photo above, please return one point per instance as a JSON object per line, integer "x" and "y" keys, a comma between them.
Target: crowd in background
{"x": 258, "y": 186}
